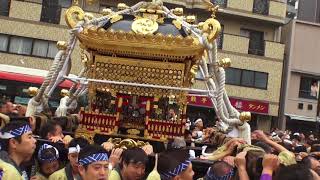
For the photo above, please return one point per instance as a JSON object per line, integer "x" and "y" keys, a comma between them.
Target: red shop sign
{"x": 251, "y": 106}
{"x": 240, "y": 104}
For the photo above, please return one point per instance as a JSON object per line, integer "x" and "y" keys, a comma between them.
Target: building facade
{"x": 302, "y": 92}
{"x": 250, "y": 38}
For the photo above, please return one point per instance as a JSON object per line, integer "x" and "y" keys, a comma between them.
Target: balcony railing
{"x": 241, "y": 44}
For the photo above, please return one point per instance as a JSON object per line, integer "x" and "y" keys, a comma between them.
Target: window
{"x": 4, "y": 40}
{"x": 52, "y": 50}
{"x": 20, "y": 45}
{"x": 309, "y": 106}
{"x": 260, "y": 80}
{"x": 261, "y": 7}
{"x": 233, "y": 76}
{"x": 40, "y": 48}
{"x": 256, "y": 41}
{"x": 51, "y": 11}
{"x": 27, "y": 46}
{"x": 4, "y": 7}
{"x": 309, "y": 88}
{"x": 220, "y": 38}
{"x": 300, "y": 105}
{"x": 246, "y": 78}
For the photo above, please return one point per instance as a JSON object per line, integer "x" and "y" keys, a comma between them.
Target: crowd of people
{"x": 46, "y": 152}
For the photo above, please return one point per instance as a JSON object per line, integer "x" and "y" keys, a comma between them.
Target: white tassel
{"x": 245, "y": 132}
{"x": 62, "y": 109}
{"x": 32, "y": 107}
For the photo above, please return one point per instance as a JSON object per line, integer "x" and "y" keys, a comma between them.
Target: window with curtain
{"x": 20, "y": 45}
{"x": 40, "y": 48}
{"x": 52, "y": 50}
{"x": 4, "y": 40}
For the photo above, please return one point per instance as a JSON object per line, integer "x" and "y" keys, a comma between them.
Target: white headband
{"x": 74, "y": 149}
{"x": 6, "y": 135}
{"x": 198, "y": 120}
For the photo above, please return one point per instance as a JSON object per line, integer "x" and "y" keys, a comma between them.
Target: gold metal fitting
{"x": 62, "y": 45}
{"x": 178, "y": 11}
{"x": 191, "y": 19}
{"x": 32, "y": 91}
{"x": 106, "y": 11}
{"x": 90, "y": 2}
{"x": 88, "y": 15}
{"x": 245, "y": 116}
{"x": 200, "y": 25}
{"x": 122, "y": 6}
{"x": 64, "y": 92}
{"x": 225, "y": 63}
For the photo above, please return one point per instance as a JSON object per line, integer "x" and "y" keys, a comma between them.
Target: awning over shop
{"x": 240, "y": 104}
{"x": 302, "y": 118}
{"x": 30, "y": 75}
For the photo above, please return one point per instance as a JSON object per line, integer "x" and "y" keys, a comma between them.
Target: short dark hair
{"x": 89, "y": 150}
{"x": 293, "y": 172}
{"x": 48, "y": 153}
{"x": 133, "y": 155}
{"x": 49, "y": 127}
{"x": 82, "y": 142}
{"x": 220, "y": 168}
{"x": 170, "y": 159}
{"x": 8, "y": 127}
{"x": 264, "y": 146}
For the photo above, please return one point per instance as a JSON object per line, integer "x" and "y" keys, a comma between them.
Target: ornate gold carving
{"x": 191, "y": 19}
{"x": 106, "y": 11}
{"x": 126, "y": 143}
{"x": 211, "y": 29}
{"x": 160, "y": 20}
{"x": 178, "y": 11}
{"x": 144, "y": 26}
{"x": 177, "y": 24}
{"x": 122, "y": 6}
{"x": 133, "y": 131}
{"x": 137, "y": 45}
{"x": 116, "y": 18}
{"x": 85, "y": 134}
{"x": 225, "y": 63}
{"x": 88, "y": 16}
{"x": 73, "y": 15}
{"x": 62, "y": 45}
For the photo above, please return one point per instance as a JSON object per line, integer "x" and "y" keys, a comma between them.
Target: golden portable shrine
{"x": 154, "y": 50}
{"x": 139, "y": 65}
